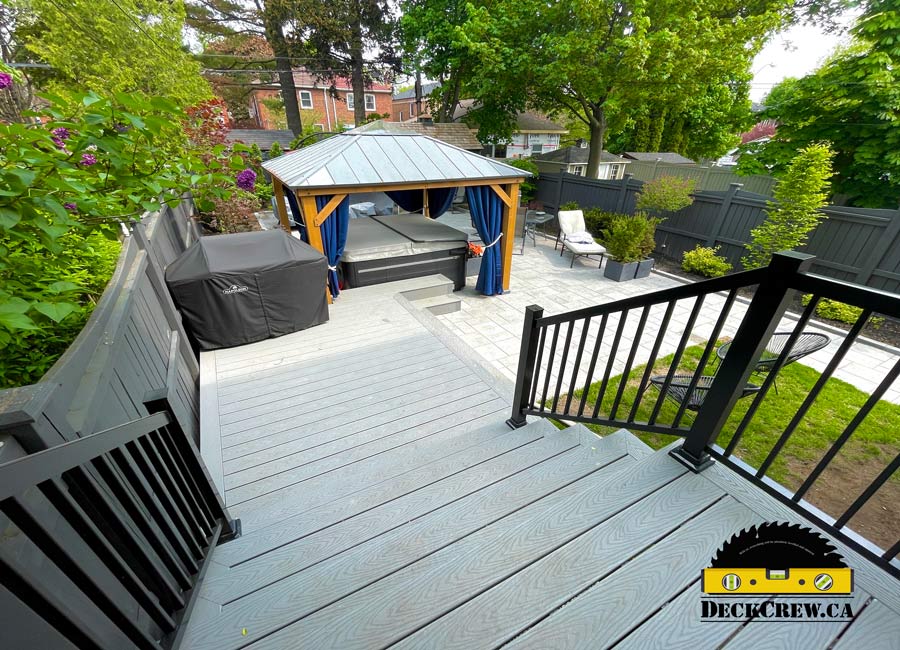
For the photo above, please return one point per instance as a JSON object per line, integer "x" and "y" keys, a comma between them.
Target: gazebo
{"x": 418, "y": 172}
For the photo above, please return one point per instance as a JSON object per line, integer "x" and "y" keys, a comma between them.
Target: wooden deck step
{"x": 264, "y": 612}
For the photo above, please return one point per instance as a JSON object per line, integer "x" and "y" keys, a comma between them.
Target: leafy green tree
{"x": 130, "y": 46}
{"x": 665, "y": 194}
{"x": 795, "y": 212}
{"x": 852, "y": 101}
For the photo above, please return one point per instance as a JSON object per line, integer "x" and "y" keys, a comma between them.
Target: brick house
{"x": 326, "y": 108}
{"x": 403, "y": 104}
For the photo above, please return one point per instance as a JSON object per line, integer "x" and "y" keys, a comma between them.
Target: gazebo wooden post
{"x": 313, "y": 234}
{"x": 279, "y": 205}
{"x": 510, "y": 210}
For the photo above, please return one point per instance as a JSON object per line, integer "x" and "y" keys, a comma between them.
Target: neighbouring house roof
{"x": 411, "y": 93}
{"x": 661, "y": 156}
{"x": 526, "y": 122}
{"x": 263, "y": 138}
{"x": 304, "y": 80}
{"x": 576, "y": 155}
{"x": 459, "y": 135}
{"x": 356, "y": 159}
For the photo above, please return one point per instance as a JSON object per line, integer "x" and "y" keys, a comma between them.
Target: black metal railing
{"x": 585, "y": 366}
{"x": 122, "y": 522}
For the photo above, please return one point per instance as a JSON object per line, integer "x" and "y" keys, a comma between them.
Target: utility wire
{"x": 140, "y": 27}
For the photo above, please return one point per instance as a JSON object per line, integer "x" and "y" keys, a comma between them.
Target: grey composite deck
{"x": 385, "y": 503}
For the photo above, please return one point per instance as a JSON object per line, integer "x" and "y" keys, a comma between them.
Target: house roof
{"x": 411, "y": 93}
{"x": 661, "y": 156}
{"x": 576, "y": 155}
{"x": 263, "y": 138}
{"x": 306, "y": 80}
{"x": 459, "y": 135}
{"x": 356, "y": 159}
{"x": 526, "y": 122}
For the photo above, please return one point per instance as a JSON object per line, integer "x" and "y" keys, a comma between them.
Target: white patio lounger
{"x": 574, "y": 236}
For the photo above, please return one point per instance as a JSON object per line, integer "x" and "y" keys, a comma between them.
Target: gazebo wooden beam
{"x": 279, "y": 205}
{"x": 510, "y": 210}
{"x": 328, "y": 209}
{"x": 313, "y": 234}
{"x": 389, "y": 187}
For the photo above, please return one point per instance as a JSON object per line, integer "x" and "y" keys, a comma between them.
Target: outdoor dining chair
{"x": 573, "y": 235}
{"x": 806, "y": 344}
{"x": 677, "y": 390}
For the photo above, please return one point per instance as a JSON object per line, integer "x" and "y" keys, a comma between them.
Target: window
{"x": 305, "y": 99}
{"x": 319, "y": 127}
{"x": 350, "y": 101}
{"x": 537, "y": 148}
{"x": 614, "y": 171}
{"x": 578, "y": 170}
{"x": 370, "y": 102}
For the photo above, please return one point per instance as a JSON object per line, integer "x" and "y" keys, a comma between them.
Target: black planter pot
{"x": 620, "y": 272}
{"x": 644, "y": 267}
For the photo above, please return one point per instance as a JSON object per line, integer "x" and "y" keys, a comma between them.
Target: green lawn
{"x": 875, "y": 442}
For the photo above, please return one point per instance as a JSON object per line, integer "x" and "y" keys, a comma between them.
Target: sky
{"x": 793, "y": 53}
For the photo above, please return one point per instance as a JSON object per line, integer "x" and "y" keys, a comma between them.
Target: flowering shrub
{"x": 68, "y": 179}
{"x": 5, "y": 80}
{"x": 705, "y": 261}
{"x": 246, "y": 180}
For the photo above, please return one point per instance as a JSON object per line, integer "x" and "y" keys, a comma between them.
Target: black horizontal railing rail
{"x": 123, "y": 521}
{"x": 657, "y": 363}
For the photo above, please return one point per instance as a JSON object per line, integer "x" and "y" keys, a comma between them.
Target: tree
{"x": 795, "y": 211}
{"x": 132, "y": 46}
{"x": 852, "y": 101}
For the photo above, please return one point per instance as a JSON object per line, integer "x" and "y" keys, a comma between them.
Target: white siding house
{"x": 574, "y": 159}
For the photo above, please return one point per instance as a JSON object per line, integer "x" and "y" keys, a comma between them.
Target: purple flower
{"x": 59, "y": 143}
{"x": 88, "y": 159}
{"x": 246, "y": 180}
{"x": 121, "y": 127}
{"x": 71, "y": 207}
{"x": 5, "y": 80}
{"x": 61, "y": 133}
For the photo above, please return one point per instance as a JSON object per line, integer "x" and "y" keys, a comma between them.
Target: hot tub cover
{"x": 246, "y": 287}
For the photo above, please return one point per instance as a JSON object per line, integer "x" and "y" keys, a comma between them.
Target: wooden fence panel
{"x": 858, "y": 245}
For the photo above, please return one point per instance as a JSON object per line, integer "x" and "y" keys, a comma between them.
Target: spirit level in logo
{"x": 807, "y": 581}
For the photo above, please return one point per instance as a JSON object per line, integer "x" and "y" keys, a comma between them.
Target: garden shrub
{"x": 528, "y": 188}
{"x": 705, "y": 261}
{"x": 630, "y": 239}
{"x": 840, "y": 311}
{"x": 795, "y": 212}
{"x": 598, "y": 221}
{"x": 665, "y": 194}
{"x": 570, "y": 205}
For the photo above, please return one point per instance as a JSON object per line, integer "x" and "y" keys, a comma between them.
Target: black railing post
{"x": 525, "y": 373}
{"x": 769, "y": 303}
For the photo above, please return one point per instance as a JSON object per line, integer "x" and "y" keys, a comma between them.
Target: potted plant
{"x": 663, "y": 195}
{"x": 628, "y": 241}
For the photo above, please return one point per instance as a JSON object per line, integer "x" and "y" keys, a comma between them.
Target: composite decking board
{"x": 344, "y": 481}
{"x": 494, "y": 616}
{"x": 405, "y": 427}
{"x": 403, "y": 602}
{"x": 210, "y": 434}
{"x": 291, "y": 430}
{"x": 318, "y": 411}
{"x": 285, "y": 457}
{"x": 271, "y": 445}
{"x": 376, "y": 485}
{"x": 297, "y": 359}
{"x": 323, "y": 367}
{"x": 877, "y": 627}
{"x": 328, "y": 542}
{"x": 610, "y": 609}
{"x": 330, "y": 385}
{"x": 260, "y": 509}
{"x": 677, "y": 625}
{"x": 866, "y": 576}
{"x": 773, "y": 635}
{"x": 365, "y": 387}
{"x": 298, "y": 596}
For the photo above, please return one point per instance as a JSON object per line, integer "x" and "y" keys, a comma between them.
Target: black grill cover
{"x": 246, "y": 287}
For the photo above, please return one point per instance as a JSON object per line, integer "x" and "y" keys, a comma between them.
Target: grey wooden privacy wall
{"x": 132, "y": 352}
{"x": 860, "y": 245}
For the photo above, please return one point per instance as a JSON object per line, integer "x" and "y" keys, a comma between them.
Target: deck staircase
{"x": 393, "y": 507}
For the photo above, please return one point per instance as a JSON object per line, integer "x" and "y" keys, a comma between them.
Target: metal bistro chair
{"x": 807, "y": 343}
{"x": 677, "y": 391}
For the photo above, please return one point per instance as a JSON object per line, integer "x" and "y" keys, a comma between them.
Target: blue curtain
{"x": 334, "y": 237}
{"x": 295, "y": 209}
{"x": 486, "y": 209}
{"x": 439, "y": 200}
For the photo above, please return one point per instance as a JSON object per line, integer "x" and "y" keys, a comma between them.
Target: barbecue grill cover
{"x": 237, "y": 289}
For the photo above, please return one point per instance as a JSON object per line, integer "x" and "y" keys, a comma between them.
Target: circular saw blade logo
{"x": 777, "y": 558}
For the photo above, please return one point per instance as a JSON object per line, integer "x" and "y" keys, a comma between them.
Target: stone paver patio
{"x": 493, "y": 326}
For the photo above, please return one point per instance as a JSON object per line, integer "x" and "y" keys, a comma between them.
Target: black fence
{"x": 601, "y": 365}
{"x": 106, "y": 510}
{"x": 860, "y": 245}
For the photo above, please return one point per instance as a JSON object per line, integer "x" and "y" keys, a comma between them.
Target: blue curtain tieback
{"x": 495, "y": 241}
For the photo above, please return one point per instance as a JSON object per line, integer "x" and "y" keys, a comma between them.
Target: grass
{"x": 874, "y": 441}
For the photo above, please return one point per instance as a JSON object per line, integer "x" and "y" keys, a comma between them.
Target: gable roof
{"x": 263, "y": 138}
{"x": 576, "y": 155}
{"x": 383, "y": 158}
{"x": 661, "y": 156}
{"x": 526, "y": 122}
{"x": 459, "y": 135}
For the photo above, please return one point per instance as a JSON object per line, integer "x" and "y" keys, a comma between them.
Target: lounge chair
{"x": 574, "y": 236}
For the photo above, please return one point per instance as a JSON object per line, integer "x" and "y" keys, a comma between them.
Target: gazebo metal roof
{"x": 384, "y": 158}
